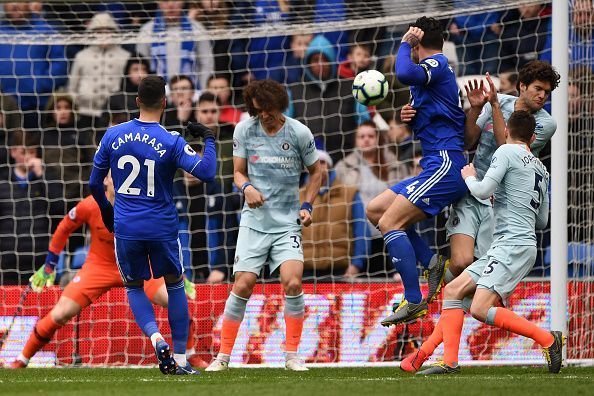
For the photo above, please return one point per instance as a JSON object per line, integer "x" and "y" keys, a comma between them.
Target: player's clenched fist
{"x": 413, "y": 36}
{"x": 253, "y": 197}
{"x": 468, "y": 171}
{"x": 407, "y": 113}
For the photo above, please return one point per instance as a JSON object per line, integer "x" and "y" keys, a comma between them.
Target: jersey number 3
{"x": 125, "y": 187}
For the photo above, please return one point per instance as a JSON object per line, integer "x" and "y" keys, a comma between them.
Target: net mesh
{"x": 68, "y": 70}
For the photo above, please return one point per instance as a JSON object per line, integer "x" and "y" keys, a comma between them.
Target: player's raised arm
{"x": 498, "y": 120}
{"x": 407, "y": 71}
{"x": 478, "y": 114}
{"x": 204, "y": 168}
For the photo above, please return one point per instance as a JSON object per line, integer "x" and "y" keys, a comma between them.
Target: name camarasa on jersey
{"x": 284, "y": 162}
{"x": 138, "y": 137}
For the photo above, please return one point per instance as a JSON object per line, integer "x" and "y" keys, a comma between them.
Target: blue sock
{"x": 422, "y": 250}
{"x": 142, "y": 309}
{"x": 405, "y": 262}
{"x": 178, "y": 316}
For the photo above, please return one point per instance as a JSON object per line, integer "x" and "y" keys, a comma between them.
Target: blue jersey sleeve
{"x": 187, "y": 159}
{"x": 408, "y": 72}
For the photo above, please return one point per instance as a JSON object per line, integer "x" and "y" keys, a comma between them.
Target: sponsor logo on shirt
{"x": 284, "y": 162}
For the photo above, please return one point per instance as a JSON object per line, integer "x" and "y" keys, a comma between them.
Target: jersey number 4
{"x": 125, "y": 187}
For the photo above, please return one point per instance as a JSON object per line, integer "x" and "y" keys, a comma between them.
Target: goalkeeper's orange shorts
{"x": 95, "y": 279}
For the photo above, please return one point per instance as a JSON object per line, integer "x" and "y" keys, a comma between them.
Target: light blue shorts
{"x": 255, "y": 249}
{"x": 471, "y": 217}
{"x": 502, "y": 268}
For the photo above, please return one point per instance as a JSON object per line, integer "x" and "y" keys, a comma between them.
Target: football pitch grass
{"x": 505, "y": 381}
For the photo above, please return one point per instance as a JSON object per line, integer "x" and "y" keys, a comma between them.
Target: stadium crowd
{"x": 56, "y": 102}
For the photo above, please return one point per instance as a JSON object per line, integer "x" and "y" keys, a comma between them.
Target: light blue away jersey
{"x": 522, "y": 194}
{"x": 143, "y": 158}
{"x": 274, "y": 165}
{"x": 545, "y": 129}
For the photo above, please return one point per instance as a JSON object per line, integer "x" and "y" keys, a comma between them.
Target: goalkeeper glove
{"x": 46, "y": 275}
{"x": 197, "y": 130}
{"x": 107, "y": 216}
{"x": 190, "y": 289}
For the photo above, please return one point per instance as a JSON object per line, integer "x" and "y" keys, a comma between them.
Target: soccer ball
{"x": 370, "y": 87}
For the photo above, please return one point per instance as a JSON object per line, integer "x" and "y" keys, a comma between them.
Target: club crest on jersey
{"x": 285, "y": 146}
{"x": 189, "y": 150}
{"x": 432, "y": 62}
{"x": 235, "y": 144}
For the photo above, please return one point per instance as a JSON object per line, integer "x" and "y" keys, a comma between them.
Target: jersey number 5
{"x": 125, "y": 187}
{"x": 537, "y": 181}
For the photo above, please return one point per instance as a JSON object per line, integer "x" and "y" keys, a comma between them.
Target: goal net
{"x": 68, "y": 70}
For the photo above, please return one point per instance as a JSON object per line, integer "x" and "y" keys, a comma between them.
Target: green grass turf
{"x": 482, "y": 381}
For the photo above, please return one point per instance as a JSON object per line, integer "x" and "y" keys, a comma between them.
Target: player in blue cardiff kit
{"x": 143, "y": 158}
{"x": 439, "y": 125}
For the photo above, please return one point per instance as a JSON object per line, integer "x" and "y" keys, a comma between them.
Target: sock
{"x": 232, "y": 317}
{"x": 434, "y": 340}
{"x": 156, "y": 337}
{"x": 452, "y": 319}
{"x": 190, "y": 344}
{"x": 422, "y": 251}
{"x": 507, "y": 320}
{"x": 294, "y": 317}
{"x": 42, "y": 333}
{"x": 180, "y": 359}
{"x": 179, "y": 318}
{"x": 405, "y": 262}
{"x": 142, "y": 310}
{"x": 449, "y": 276}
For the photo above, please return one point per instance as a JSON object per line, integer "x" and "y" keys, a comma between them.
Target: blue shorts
{"x": 438, "y": 185}
{"x": 137, "y": 259}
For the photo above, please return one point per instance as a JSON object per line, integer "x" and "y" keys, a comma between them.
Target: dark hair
{"x": 369, "y": 123}
{"x": 366, "y": 47}
{"x": 178, "y": 78}
{"x": 434, "y": 34}
{"x": 208, "y": 96}
{"x": 521, "y": 125}
{"x": 151, "y": 91}
{"x": 513, "y": 78}
{"x": 29, "y": 139}
{"x": 216, "y": 76}
{"x": 538, "y": 70}
{"x": 269, "y": 94}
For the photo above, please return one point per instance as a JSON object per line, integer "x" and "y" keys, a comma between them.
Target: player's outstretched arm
{"x": 311, "y": 192}
{"x": 498, "y": 120}
{"x": 475, "y": 94}
{"x": 204, "y": 168}
{"x": 481, "y": 189}
{"x": 407, "y": 71}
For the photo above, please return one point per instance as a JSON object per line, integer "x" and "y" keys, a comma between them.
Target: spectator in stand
{"x": 295, "y": 62}
{"x": 181, "y": 110}
{"x": 358, "y": 59}
{"x": 31, "y": 206}
{"x": 10, "y": 120}
{"x": 214, "y": 15}
{"x": 508, "y": 82}
{"x": 207, "y": 113}
{"x": 97, "y": 71}
{"x": 67, "y": 150}
{"x": 338, "y": 235}
{"x": 193, "y": 58}
{"x": 314, "y": 102}
{"x": 124, "y": 102}
{"x": 400, "y": 134}
{"x": 220, "y": 86}
{"x": 371, "y": 168}
{"x": 29, "y": 72}
{"x": 523, "y": 36}
{"x": 477, "y": 38}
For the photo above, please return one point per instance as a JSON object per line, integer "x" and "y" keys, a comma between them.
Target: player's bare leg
{"x": 379, "y": 205}
{"x": 398, "y": 217}
{"x": 462, "y": 255}
{"x": 291, "y": 273}
{"x": 64, "y": 310}
{"x": 232, "y": 317}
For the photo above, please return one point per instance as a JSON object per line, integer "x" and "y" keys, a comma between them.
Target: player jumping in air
{"x": 143, "y": 158}
{"x": 521, "y": 204}
{"x": 269, "y": 152}
{"x": 439, "y": 125}
{"x": 98, "y": 275}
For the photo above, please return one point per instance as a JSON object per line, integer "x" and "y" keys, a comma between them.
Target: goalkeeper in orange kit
{"x": 97, "y": 276}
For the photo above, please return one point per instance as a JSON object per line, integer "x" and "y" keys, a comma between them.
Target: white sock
{"x": 22, "y": 358}
{"x": 156, "y": 337}
{"x": 190, "y": 352}
{"x": 291, "y": 355}
{"x": 180, "y": 359}
{"x": 224, "y": 357}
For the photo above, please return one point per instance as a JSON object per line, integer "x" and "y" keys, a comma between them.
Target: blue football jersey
{"x": 143, "y": 158}
{"x": 439, "y": 121}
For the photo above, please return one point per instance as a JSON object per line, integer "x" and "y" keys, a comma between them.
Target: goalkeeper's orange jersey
{"x": 86, "y": 211}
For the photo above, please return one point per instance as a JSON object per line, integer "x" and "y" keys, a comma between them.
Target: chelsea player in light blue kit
{"x": 143, "y": 158}
{"x": 439, "y": 125}
{"x": 470, "y": 225}
{"x": 519, "y": 183}
{"x": 270, "y": 151}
